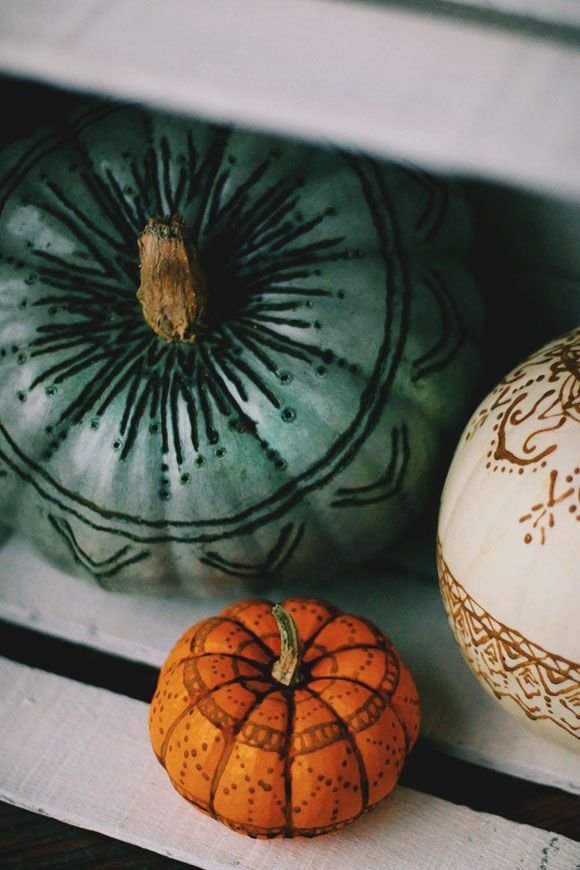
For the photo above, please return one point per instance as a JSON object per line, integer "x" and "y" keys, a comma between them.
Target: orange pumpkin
{"x": 288, "y": 721}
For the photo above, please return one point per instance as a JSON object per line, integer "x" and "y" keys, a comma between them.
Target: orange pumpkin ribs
{"x": 301, "y": 753}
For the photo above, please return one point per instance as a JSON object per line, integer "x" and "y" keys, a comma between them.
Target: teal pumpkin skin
{"x": 303, "y": 429}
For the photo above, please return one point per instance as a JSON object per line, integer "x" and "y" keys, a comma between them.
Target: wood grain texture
{"x": 458, "y": 716}
{"x": 406, "y": 74}
{"x": 427, "y": 770}
{"x": 82, "y": 755}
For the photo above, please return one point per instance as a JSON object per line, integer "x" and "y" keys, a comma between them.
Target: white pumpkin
{"x": 509, "y": 541}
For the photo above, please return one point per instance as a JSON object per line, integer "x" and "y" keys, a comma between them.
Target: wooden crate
{"x": 487, "y": 92}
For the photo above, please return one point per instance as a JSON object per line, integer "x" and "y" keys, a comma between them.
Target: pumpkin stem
{"x": 287, "y": 668}
{"x": 172, "y": 292}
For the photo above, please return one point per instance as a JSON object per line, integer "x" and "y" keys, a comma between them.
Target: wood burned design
{"x": 272, "y": 760}
{"x": 525, "y": 412}
{"x": 543, "y": 685}
{"x": 542, "y": 515}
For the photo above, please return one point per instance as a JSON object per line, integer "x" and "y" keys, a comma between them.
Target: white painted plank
{"x": 458, "y": 716}
{"x": 82, "y": 755}
{"x": 446, "y": 93}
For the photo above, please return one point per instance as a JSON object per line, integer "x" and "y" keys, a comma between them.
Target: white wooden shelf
{"x": 493, "y": 94}
{"x": 487, "y": 90}
{"x": 82, "y": 755}
{"x": 457, "y": 715}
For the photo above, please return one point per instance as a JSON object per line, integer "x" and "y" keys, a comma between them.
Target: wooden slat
{"x": 458, "y": 716}
{"x": 440, "y": 90}
{"x": 82, "y": 755}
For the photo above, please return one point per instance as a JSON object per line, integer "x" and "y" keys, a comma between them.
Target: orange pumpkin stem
{"x": 287, "y": 668}
{"x": 172, "y": 292}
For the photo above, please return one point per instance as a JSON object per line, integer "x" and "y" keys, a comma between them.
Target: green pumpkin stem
{"x": 287, "y": 668}
{"x": 172, "y": 291}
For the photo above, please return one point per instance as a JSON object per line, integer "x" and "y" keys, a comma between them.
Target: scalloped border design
{"x": 547, "y": 686}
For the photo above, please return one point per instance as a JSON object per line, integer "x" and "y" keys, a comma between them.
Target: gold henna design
{"x": 541, "y": 516}
{"x": 525, "y": 411}
{"x": 544, "y": 685}
{"x": 561, "y": 399}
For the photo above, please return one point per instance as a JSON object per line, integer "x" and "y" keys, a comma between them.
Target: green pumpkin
{"x": 297, "y": 422}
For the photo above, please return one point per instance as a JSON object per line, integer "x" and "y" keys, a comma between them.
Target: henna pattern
{"x": 287, "y": 273}
{"x": 525, "y": 410}
{"x": 543, "y": 685}
{"x": 220, "y": 674}
{"x": 559, "y": 403}
{"x": 100, "y": 569}
{"x": 280, "y": 553}
{"x": 541, "y": 515}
